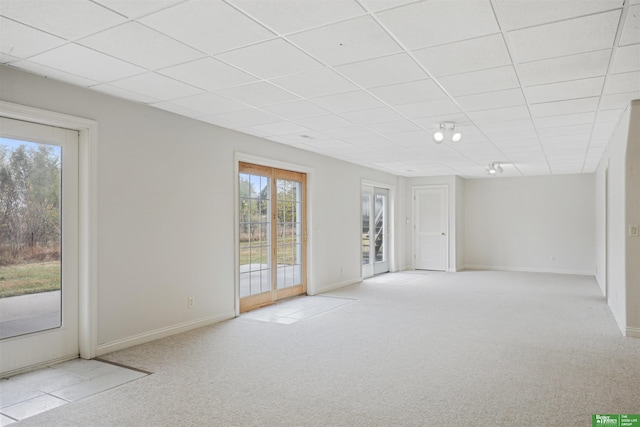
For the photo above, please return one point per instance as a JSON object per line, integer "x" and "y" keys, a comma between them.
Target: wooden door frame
{"x": 240, "y": 157}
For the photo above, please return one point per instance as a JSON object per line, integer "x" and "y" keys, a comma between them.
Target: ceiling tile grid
{"x": 535, "y": 87}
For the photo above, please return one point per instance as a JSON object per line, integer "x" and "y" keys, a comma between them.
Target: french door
{"x": 272, "y": 235}
{"x": 39, "y": 244}
{"x": 375, "y": 230}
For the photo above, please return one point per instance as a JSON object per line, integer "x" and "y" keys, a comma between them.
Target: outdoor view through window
{"x": 30, "y": 237}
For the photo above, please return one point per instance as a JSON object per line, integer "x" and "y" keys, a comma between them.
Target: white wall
{"x": 166, "y": 210}
{"x": 543, "y": 224}
{"x": 622, "y": 160}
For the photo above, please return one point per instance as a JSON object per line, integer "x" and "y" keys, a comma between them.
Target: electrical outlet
{"x": 191, "y": 302}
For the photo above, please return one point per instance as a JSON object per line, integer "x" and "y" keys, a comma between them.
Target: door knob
{"x": 443, "y": 233}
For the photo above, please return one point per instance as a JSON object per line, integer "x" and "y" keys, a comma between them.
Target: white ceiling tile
{"x": 349, "y": 101}
{"x": 176, "y": 109}
{"x": 295, "y": 110}
{"x": 428, "y": 108}
{"x": 383, "y": 71}
{"x": 469, "y": 55}
{"x": 347, "y": 131}
{"x": 348, "y": 41}
{"x": 438, "y": 22}
{"x": 618, "y": 100}
{"x": 254, "y": 132}
{"x": 572, "y": 106}
{"x": 565, "y": 90}
{"x": 208, "y": 74}
{"x": 243, "y": 118}
{"x": 68, "y": 19}
{"x": 393, "y": 127}
{"x": 315, "y": 83}
{"x": 631, "y": 29}
{"x": 141, "y": 46}
{"x": 209, "y": 104}
{"x": 500, "y": 114}
{"x": 511, "y": 135}
{"x": 368, "y": 140}
{"x": 374, "y": 115}
{"x": 48, "y": 72}
{"x": 626, "y": 59}
{"x": 580, "y": 140}
{"x": 481, "y": 81}
{"x": 375, "y": 5}
{"x": 609, "y": 115}
{"x": 433, "y": 122}
{"x": 605, "y": 128}
{"x": 626, "y": 82}
{"x": 565, "y": 130}
{"x": 257, "y": 94}
{"x": 526, "y": 13}
{"x": 578, "y": 35}
{"x": 273, "y": 58}
{"x": 21, "y": 41}
{"x": 287, "y": 16}
{"x": 137, "y": 8}
{"x": 407, "y": 93}
{"x": 87, "y": 63}
{"x": 565, "y": 120}
{"x": 507, "y": 125}
{"x": 156, "y": 86}
{"x": 123, "y": 93}
{"x": 491, "y": 100}
{"x": 6, "y": 58}
{"x": 329, "y": 121}
{"x": 281, "y": 128}
{"x": 572, "y": 67}
{"x": 211, "y": 26}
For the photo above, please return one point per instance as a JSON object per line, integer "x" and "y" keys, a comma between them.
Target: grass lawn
{"x": 30, "y": 278}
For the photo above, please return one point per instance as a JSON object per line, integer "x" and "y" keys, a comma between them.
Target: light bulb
{"x": 457, "y": 136}
{"x": 438, "y": 136}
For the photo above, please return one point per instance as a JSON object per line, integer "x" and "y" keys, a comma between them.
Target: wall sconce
{"x": 494, "y": 168}
{"x": 447, "y": 131}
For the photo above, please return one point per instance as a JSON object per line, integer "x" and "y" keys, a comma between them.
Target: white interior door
{"x": 431, "y": 228}
{"x": 39, "y": 262}
{"x": 375, "y": 230}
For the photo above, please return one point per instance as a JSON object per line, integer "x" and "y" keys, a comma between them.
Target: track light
{"x": 494, "y": 168}
{"x": 447, "y": 131}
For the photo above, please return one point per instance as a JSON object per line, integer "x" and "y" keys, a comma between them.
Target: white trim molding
{"x": 88, "y": 215}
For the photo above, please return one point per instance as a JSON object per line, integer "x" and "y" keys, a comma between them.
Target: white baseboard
{"x": 632, "y": 332}
{"x": 336, "y": 286}
{"x": 529, "y": 269}
{"x": 159, "y": 333}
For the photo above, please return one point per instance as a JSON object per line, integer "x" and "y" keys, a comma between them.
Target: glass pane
{"x": 380, "y": 227}
{"x": 254, "y": 245}
{"x": 30, "y": 237}
{"x": 289, "y": 248}
{"x": 366, "y": 217}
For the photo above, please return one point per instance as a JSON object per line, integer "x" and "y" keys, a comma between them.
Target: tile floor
{"x": 31, "y": 393}
{"x": 295, "y": 309}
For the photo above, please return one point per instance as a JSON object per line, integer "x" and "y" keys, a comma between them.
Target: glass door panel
{"x": 38, "y": 244}
{"x": 375, "y": 230}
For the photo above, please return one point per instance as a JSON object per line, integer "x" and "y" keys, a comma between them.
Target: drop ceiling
{"x": 537, "y": 85}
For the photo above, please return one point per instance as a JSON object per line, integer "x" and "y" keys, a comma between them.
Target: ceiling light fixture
{"x": 447, "y": 131}
{"x": 494, "y": 168}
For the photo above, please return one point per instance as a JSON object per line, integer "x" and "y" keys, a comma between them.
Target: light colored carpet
{"x": 414, "y": 349}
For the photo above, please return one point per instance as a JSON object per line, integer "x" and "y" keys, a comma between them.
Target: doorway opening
{"x": 272, "y": 235}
